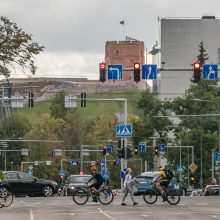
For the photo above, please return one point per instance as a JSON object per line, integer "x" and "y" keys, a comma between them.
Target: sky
{"x": 74, "y": 32}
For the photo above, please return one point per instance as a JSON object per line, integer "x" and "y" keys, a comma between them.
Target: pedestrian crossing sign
{"x": 123, "y": 130}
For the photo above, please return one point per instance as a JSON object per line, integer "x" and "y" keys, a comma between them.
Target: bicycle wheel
{"x": 173, "y": 196}
{"x": 150, "y": 196}
{"x": 80, "y": 196}
{"x": 105, "y": 196}
{"x": 7, "y": 200}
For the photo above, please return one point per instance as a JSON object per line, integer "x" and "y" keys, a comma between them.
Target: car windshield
{"x": 79, "y": 179}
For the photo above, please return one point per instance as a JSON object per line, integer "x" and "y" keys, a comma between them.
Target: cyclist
{"x": 97, "y": 183}
{"x": 161, "y": 180}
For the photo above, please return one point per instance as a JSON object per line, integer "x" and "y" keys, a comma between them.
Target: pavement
{"x": 56, "y": 208}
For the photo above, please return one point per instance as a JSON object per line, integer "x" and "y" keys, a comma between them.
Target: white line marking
{"x": 214, "y": 216}
{"x": 31, "y": 215}
{"x": 105, "y": 214}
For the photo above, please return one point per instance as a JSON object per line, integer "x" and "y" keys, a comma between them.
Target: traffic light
{"x": 31, "y": 99}
{"x": 114, "y": 162}
{"x": 136, "y": 150}
{"x": 97, "y": 162}
{"x": 156, "y": 150}
{"x": 137, "y": 72}
{"x": 196, "y": 72}
{"x": 102, "y": 72}
{"x": 192, "y": 178}
{"x": 104, "y": 150}
{"x": 83, "y": 99}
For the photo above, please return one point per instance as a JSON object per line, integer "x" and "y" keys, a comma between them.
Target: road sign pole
{"x": 213, "y": 163}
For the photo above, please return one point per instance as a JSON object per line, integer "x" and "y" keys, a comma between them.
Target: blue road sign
{"x": 149, "y": 71}
{"x": 109, "y": 148}
{"x": 123, "y": 130}
{"x": 102, "y": 161}
{"x": 118, "y": 161}
{"x": 210, "y": 71}
{"x": 162, "y": 148}
{"x": 115, "y": 72}
{"x": 180, "y": 169}
{"x": 217, "y": 156}
{"x": 74, "y": 162}
{"x": 62, "y": 172}
{"x": 142, "y": 147}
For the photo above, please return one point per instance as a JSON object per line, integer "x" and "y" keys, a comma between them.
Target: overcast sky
{"x": 74, "y": 32}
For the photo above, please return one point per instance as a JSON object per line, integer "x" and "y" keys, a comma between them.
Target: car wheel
{"x": 47, "y": 191}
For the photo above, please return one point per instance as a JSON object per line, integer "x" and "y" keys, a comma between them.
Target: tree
{"x": 16, "y": 48}
{"x": 202, "y": 57}
{"x": 57, "y": 107}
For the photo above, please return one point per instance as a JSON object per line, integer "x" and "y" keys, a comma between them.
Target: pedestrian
{"x": 128, "y": 187}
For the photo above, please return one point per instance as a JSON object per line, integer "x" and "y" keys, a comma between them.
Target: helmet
{"x": 93, "y": 168}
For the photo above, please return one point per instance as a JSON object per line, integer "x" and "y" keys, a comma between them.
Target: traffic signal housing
{"x": 83, "y": 99}
{"x": 102, "y": 77}
{"x": 104, "y": 150}
{"x": 192, "y": 178}
{"x": 196, "y": 72}
{"x": 137, "y": 72}
{"x": 136, "y": 150}
{"x": 31, "y": 99}
{"x": 156, "y": 150}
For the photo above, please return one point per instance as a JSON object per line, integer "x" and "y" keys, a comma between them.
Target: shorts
{"x": 96, "y": 185}
{"x": 164, "y": 183}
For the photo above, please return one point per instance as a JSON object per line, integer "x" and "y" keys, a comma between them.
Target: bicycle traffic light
{"x": 137, "y": 72}
{"x": 196, "y": 72}
{"x": 102, "y": 72}
{"x": 136, "y": 150}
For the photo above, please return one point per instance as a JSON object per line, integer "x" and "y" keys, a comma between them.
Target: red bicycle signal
{"x": 137, "y": 66}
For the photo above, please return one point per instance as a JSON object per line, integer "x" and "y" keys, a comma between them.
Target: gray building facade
{"x": 178, "y": 50}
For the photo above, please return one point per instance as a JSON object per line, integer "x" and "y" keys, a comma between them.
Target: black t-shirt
{"x": 98, "y": 178}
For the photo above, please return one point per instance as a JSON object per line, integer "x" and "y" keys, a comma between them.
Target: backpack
{"x": 123, "y": 174}
{"x": 169, "y": 174}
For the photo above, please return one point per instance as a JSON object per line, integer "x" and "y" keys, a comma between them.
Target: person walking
{"x": 128, "y": 188}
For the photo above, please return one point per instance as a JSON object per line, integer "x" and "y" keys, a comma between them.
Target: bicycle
{"x": 172, "y": 196}
{"x": 82, "y": 194}
{"x": 6, "y": 197}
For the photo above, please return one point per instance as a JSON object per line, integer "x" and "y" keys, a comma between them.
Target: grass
{"x": 93, "y": 108}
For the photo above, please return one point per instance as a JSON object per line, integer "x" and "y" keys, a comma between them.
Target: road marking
{"x": 146, "y": 216}
{"x": 31, "y": 215}
{"x": 105, "y": 214}
{"x": 214, "y": 216}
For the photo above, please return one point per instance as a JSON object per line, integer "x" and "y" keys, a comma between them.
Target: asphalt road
{"x": 56, "y": 208}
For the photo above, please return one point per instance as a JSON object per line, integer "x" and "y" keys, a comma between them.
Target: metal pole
{"x": 125, "y": 122}
{"x": 213, "y": 163}
{"x": 81, "y": 159}
{"x": 201, "y": 179}
{"x": 180, "y": 162}
{"x": 5, "y": 159}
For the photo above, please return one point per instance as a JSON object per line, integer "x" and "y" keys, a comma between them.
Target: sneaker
{"x": 95, "y": 200}
{"x": 135, "y": 203}
{"x": 123, "y": 203}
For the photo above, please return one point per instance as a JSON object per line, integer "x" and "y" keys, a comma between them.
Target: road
{"x": 56, "y": 208}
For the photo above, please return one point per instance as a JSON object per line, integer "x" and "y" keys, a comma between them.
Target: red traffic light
{"x": 137, "y": 66}
{"x": 102, "y": 66}
{"x": 196, "y": 66}
{"x": 104, "y": 150}
{"x": 135, "y": 150}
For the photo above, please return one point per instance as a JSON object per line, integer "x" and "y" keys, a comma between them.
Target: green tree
{"x": 14, "y": 127}
{"x": 16, "y": 48}
{"x": 57, "y": 107}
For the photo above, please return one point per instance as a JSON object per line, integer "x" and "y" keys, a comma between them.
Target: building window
{"x": 117, "y": 53}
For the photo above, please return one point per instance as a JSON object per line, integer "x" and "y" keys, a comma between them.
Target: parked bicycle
{"x": 172, "y": 196}
{"x": 82, "y": 195}
{"x": 6, "y": 197}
